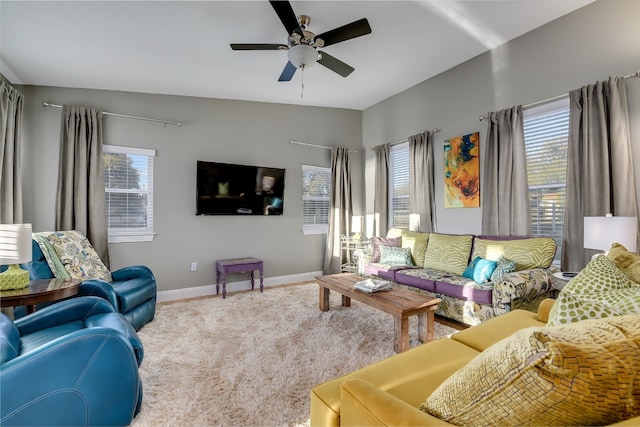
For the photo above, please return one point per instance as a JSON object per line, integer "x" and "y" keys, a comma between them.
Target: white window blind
{"x": 316, "y": 199}
{"x": 399, "y": 185}
{"x": 546, "y": 132}
{"x": 128, "y": 181}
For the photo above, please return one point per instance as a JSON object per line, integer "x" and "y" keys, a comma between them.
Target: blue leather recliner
{"x": 132, "y": 292}
{"x": 71, "y": 363}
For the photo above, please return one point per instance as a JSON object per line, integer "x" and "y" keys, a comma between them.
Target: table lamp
{"x": 15, "y": 248}
{"x": 356, "y": 227}
{"x": 600, "y": 232}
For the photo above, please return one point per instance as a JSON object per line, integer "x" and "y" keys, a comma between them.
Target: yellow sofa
{"x": 388, "y": 393}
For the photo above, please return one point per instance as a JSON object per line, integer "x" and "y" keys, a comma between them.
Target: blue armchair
{"x": 132, "y": 292}
{"x": 71, "y": 363}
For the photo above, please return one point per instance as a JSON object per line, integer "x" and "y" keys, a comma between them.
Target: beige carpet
{"x": 251, "y": 359}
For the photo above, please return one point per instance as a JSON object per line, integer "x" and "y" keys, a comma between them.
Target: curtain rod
{"x": 164, "y": 122}
{"x": 291, "y": 141}
{"x": 555, "y": 98}
{"x": 400, "y": 141}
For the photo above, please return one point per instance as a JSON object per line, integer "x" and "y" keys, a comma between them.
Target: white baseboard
{"x": 207, "y": 290}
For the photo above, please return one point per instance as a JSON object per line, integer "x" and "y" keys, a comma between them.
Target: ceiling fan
{"x": 302, "y": 45}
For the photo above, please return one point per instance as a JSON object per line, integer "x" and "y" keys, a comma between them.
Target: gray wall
{"x": 216, "y": 130}
{"x": 588, "y": 45}
{"x": 591, "y": 44}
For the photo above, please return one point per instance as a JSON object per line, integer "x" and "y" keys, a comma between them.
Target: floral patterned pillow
{"x": 78, "y": 255}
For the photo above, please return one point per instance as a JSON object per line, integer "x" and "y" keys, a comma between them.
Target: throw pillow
{"x": 578, "y": 374}
{"x": 480, "y": 269}
{"x": 528, "y": 253}
{"x": 448, "y": 252}
{"x": 417, "y": 242}
{"x": 599, "y": 290}
{"x": 378, "y": 241}
{"x": 504, "y": 266}
{"x": 77, "y": 255}
{"x": 392, "y": 255}
{"x": 627, "y": 262}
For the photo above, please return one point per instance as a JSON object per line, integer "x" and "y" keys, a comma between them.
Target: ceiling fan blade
{"x": 288, "y": 72}
{"x": 346, "y": 32}
{"x": 287, "y": 16}
{"x": 335, "y": 64}
{"x": 257, "y": 46}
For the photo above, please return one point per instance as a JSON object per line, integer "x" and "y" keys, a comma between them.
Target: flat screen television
{"x": 229, "y": 189}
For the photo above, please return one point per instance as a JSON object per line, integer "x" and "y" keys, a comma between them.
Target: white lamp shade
{"x": 302, "y": 55}
{"x": 600, "y": 232}
{"x": 15, "y": 243}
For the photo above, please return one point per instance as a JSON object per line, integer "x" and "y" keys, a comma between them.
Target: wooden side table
{"x": 237, "y": 265}
{"x": 39, "y": 291}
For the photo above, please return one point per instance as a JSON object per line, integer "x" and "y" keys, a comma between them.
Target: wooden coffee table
{"x": 398, "y": 302}
{"x": 40, "y": 291}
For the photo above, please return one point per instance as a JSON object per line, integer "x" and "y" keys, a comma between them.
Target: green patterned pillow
{"x": 448, "y": 252}
{"x": 504, "y": 266}
{"x": 599, "y": 290}
{"x": 392, "y": 255}
{"x": 535, "y": 252}
{"x": 417, "y": 242}
{"x": 578, "y": 374}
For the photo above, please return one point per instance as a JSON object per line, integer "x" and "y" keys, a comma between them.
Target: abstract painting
{"x": 462, "y": 171}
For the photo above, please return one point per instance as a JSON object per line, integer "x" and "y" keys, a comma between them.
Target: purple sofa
{"x": 438, "y": 262}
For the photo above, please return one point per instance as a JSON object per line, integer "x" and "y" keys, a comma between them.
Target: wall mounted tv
{"x": 228, "y": 189}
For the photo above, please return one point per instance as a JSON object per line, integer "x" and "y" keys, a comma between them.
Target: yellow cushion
{"x": 417, "y": 243}
{"x": 408, "y": 376}
{"x": 599, "y": 290}
{"x": 627, "y": 262}
{"x": 363, "y": 404}
{"x": 578, "y": 374}
{"x": 484, "y": 335}
{"x": 535, "y": 252}
{"x": 448, "y": 252}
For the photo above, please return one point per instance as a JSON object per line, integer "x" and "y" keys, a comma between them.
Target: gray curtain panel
{"x": 422, "y": 201}
{"x": 340, "y": 214}
{"x": 599, "y": 168}
{"x": 505, "y": 194}
{"x": 80, "y": 200}
{"x": 11, "y": 106}
{"x": 381, "y": 191}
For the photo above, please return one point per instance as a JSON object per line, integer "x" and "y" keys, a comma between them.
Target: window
{"x": 399, "y": 185}
{"x": 316, "y": 199}
{"x": 546, "y": 133}
{"x": 128, "y": 182}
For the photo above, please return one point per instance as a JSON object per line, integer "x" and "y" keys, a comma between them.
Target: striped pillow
{"x": 528, "y": 253}
{"x": 448, "y": 252}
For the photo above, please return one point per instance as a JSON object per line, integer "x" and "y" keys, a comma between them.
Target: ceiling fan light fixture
{"x": 302, "y": 56}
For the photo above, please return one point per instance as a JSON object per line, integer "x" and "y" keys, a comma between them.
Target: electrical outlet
{"x": 194, "y": 266}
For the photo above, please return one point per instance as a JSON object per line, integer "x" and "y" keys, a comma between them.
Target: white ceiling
{"x": 182, "y": 48}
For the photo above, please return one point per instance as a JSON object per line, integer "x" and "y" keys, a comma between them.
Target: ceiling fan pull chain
{"x": 302, "y": 79}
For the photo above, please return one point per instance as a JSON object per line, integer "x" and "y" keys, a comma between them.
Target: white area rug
{"x": 252, "y": 359}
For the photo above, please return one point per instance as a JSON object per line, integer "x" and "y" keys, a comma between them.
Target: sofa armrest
{"x": 99, "y": 288}
{"x": 544, "y": 309}
{"x": 67, "y": 311}
{"x": 363, "y": 256}
{"x": 132, "y": 272}
{"x": 522, "y": 289}
{"x": 363, "y": 404}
